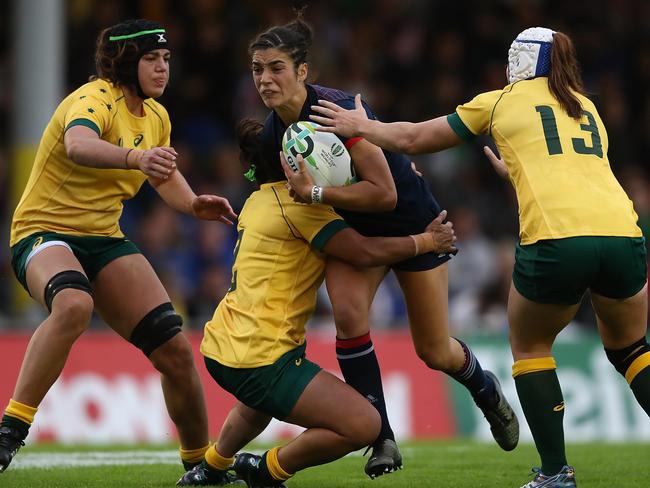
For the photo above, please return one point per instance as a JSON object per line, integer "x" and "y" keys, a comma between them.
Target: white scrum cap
{"x": 530, "y": 54}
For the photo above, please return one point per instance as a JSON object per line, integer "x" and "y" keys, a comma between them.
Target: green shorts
{"x": 561, "y": 270}
{"x": 272, "y": 389}
{"x": 93, "y": 252}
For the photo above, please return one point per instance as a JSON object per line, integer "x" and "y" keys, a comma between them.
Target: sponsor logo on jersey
{"x": 37, "y": 242}
{"x": 138, "y": 140}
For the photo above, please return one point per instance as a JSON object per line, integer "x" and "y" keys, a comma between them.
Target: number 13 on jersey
{"x": 553, "y": 143}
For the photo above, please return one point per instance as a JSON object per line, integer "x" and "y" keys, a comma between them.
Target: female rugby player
{"x": 254, "y": 346}
{"x": 104, "y": 140}
{"x": 578, "y": 228}
{"x": 390, "y": 199}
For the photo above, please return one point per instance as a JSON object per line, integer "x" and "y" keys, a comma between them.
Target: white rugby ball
{"x": 326, "y": 158}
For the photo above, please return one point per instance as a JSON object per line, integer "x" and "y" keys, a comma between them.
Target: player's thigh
{"x": 351, "y": 291}
{"x": 534, "y": 326}
{"x": 250, "y": 416}
{"x": 46, "y": 264}
{"x": 426, "y": 294}
{"x": 621, "y": 321}
{"x": 329, "y": 403}
{"x": 126, "y": 290}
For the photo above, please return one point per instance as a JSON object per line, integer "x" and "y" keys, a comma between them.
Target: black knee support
{"x": 623, "y": 358}
{"x": 156, "y": 328}
{"x": 63, "y": 280}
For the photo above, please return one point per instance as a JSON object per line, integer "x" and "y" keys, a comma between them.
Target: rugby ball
{"x": 326, "y": 158}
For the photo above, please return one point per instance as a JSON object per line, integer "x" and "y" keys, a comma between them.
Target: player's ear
{"x": 302, "y": 72}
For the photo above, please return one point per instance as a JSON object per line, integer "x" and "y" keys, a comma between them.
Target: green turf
{"x": 440, "y": 464}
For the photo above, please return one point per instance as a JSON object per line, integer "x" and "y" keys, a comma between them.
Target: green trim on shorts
{"x": 274, "y": 389}
{"x": 93, "y": 252}
{"x": 86, "y": 123}
{"x": 326, "y": 233}
{"x": 459, "y": 127}
{"x": 560, "y": 271}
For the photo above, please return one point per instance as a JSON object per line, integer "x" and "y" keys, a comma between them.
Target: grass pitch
{"x": 458, "y": 464}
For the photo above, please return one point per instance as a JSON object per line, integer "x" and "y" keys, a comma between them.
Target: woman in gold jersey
{"x": 254, "y": 346}
{"x": 103, "y": 142}
{"x": 578, "y": 228}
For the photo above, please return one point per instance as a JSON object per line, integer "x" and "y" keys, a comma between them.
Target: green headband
{"x": 137, "y": 34}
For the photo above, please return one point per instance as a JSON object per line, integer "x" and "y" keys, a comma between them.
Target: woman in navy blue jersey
{"x": 389, "y": 199}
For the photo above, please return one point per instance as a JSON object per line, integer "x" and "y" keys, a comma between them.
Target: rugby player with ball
{"x": 389, "y": 199}
{"x": 254, "y": 346}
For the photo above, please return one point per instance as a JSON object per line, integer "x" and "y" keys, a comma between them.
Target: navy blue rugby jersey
{"x": 415, "y": 207}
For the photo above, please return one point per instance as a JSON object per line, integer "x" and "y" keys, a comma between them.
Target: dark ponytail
{"x": 294, "y": 39}
{"x": 251, "y": 153}
{"x": 564, "y": 76}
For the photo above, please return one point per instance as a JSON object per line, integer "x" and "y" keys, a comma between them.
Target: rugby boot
{"x": 502, "y": 419}
{"x": 385, "y": 458}
{"x": 187, "y": 465}
{"x": 10, "y": 441}
{"x": 247, "y": 467}
{"x": 566, "y": 478}
{"x": 204, "y": 475}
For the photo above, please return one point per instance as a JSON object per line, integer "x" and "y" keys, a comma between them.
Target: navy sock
{"x": 360, "y": 368}
{"x": 472, "y": 377}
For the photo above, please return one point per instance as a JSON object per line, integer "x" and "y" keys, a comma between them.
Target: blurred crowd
{"x": 411, "y": 60}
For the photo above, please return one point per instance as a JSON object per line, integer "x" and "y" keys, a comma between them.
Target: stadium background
{"x": 411, "y": 59}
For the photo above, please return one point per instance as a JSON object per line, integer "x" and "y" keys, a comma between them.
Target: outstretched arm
{"x": 177, "y": 194}
{"x": 405, "y": 137}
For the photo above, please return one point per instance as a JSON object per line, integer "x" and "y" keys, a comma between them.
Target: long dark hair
{"x": 294, "y": 39}
{"x": 251, "y": 152}
{"x": 564, "y": 77}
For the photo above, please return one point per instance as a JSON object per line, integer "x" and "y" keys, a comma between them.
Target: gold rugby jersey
{"x": 275, "y": 277}
{"x": 62, "y": 196}
{"x": 558, "y": 166}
